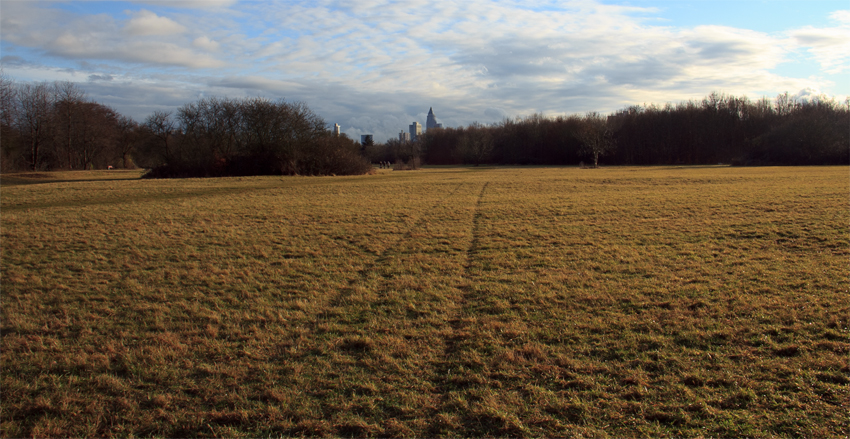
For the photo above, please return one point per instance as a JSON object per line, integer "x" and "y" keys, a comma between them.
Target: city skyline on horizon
{"x": 413, "y": 130}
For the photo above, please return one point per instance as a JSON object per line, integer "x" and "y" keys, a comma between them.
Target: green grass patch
{"x": 615, "y": 302}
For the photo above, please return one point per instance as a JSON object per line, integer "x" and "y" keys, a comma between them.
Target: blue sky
{"x": 375, "y": 66}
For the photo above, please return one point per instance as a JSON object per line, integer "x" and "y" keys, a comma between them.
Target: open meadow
{"x": 522, "y": 302}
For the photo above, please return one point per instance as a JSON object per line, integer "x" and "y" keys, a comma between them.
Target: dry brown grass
{"x": 442, "y": 302}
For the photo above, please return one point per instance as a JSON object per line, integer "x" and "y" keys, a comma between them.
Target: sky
{"x": 375, "y": 66}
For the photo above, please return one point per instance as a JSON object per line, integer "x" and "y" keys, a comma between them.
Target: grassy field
{"x": 618, "y": 302}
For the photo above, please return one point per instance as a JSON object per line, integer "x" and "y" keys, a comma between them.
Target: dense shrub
{"x": 224, "y": 137}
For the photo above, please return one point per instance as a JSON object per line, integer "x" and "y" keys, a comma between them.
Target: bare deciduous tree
{"x": 9, "y": 138}
{"x": 128, "y": 137}
{"x": 596, "y": 137}
{"x": 784, "y": 104}
{"x": 68, "y": 102}
{"x": 161, "y": 127}
{"x": 35, "y": 119}
{"x": 98, "y": 133}
{"x": 476, "y": 144}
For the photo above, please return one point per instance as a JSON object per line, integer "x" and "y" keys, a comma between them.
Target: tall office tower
{"x": 336, "y": 129}
{"x": 432, "y": 120}
{"x": 404, "y": 137}
{"x": 415, "y": 130}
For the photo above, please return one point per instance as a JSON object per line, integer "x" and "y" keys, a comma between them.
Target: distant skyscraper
{"x": 336, "y": 129}
{"x": 415, "y": 130}
{"x": 404, "y": 137}
{"x": 432, "y": 120}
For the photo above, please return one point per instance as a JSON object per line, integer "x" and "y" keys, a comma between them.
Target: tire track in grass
{"x": 389, "y": 251}
{"x": 331, "y": 304}
{"x": 451, "y": 371}
{"x": 376, "y": 343}
{"x": 476, "y": 233}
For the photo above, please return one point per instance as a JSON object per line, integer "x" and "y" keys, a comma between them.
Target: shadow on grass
{"x": 30, "y": 178}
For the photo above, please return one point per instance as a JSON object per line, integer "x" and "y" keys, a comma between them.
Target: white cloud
{"x": 191, "y": 4}
{"x": 842, "y": 16}
{"x": 206, "y": 44}
{"x": 146, "y": 38}
{"x": 252, "y": 84}
{"x": 145, "y": 22}
{"x": 164, "y": 54}
{"x": 829, "y": 46}
{"x": 807, "y": 94}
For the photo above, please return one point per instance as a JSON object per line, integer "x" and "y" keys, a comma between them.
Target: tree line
{"x": 53, "y": 126}
{"x": 736, "y": 130}
{"x": 717, "y": 129}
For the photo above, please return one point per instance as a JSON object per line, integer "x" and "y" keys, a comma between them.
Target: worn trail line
{"x": 394, "y": 247}
{"x": 388, "y": 327}
{"x": 476, "y": 226}
{"x": 388, "y": 252}
{"x": 447, "y": 376}
{"x": 383, "y": 254}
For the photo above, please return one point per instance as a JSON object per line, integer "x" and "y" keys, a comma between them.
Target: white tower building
{"x": 432, "y": 120}
{"x": 415, "y": 130}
